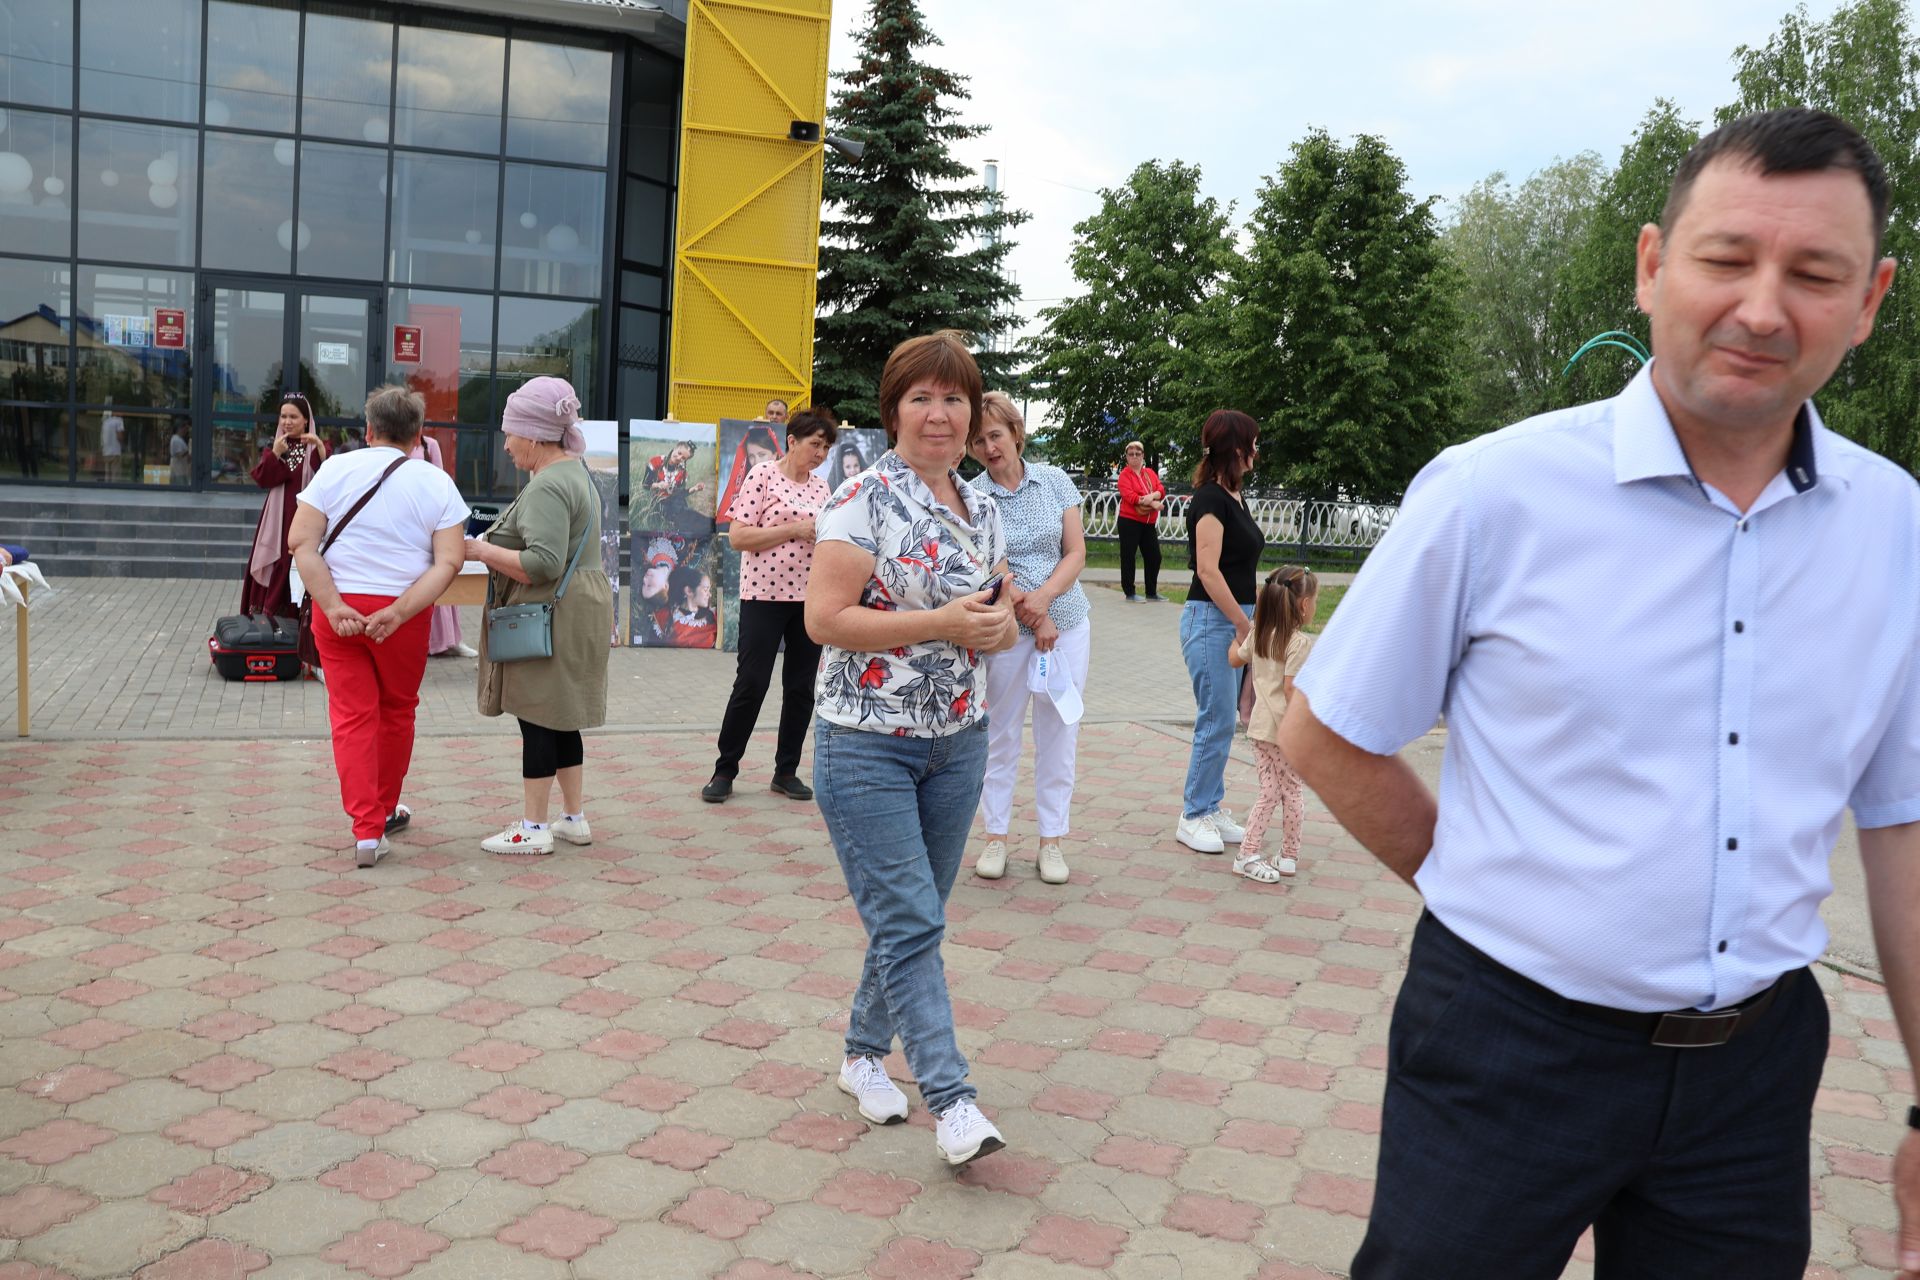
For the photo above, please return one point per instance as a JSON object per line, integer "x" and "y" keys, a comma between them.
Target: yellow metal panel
{"x": 747, "y": 230}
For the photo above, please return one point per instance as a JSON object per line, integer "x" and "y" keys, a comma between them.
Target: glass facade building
{"x": 205, "y": 204}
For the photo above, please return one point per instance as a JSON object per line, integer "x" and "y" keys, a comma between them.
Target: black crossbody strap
{"x": 334, "y": 533}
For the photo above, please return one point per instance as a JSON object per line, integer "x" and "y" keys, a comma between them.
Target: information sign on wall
{"x": 406, "y": 344}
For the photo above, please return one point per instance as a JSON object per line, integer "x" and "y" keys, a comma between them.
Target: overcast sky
{"x": 1076, "y": 93}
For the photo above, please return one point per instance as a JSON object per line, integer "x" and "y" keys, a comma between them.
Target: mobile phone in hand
{"x": 993, "y": 587}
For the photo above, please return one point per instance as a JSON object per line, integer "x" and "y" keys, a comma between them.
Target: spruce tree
{"x": 905, "y": 240}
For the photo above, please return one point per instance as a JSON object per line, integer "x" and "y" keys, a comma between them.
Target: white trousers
{"x": 1054, "y": 741}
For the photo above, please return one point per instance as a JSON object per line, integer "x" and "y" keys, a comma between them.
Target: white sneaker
{"x": 573, "y": 832}
{"x": 880, "y": 1098}
{"x": 365, "y": 857}
{"x": 1053, "y": 862}
{"x": 992, "y": 862}
{"x": 1230, "y": 831}
{"x": 466, "y": 651}
{"x": 963, "y": 1134}
{"x": 1198, "y": 834}
{"x": 517, "y": 839}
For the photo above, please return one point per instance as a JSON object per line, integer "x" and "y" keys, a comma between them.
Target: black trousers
{"x": 763, "y": 625}
{"x": 1137, "y": 535}
{"x": 1512, "y": 1122}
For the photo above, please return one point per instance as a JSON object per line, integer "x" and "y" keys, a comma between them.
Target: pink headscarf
{"x": 546, "y": 409}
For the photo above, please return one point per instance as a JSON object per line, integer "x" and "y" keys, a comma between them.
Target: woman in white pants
{"x": 1046, "y": 549}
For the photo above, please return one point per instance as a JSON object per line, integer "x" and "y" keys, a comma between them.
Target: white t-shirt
{"x": 113, "y": 429}
{"x": 390, "y": 543}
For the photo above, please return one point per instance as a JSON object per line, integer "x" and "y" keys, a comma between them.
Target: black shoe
{"x": 790, "y": 786}
{"x": 398, "y": 820}
{"x": 718, "y": 788}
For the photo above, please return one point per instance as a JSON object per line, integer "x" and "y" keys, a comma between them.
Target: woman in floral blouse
{"x": 896, "y": 597}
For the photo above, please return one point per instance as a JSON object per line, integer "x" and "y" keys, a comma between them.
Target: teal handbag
{"x": 524, "y": 632}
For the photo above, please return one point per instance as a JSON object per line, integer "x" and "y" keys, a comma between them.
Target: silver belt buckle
{"x": 1695, "y": 1030}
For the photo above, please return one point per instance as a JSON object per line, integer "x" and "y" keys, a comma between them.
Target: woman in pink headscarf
{"x": 546, "y": 547}
{"x": 283, "y": 471}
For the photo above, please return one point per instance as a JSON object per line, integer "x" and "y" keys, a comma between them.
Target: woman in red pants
{"x": 378, "y": 537}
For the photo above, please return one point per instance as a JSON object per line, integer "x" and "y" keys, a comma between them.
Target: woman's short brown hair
{"x": 813, "y": 422}
{"x": 940, "y": 358}
{"x": 1225, "y": 442}
{"x": 397, "y": 413}
{"x": 998, "y": 406}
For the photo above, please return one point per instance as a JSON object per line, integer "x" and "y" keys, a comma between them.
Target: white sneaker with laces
{"x": 963, "y": 1134}
{"x": 517, "y": 839}
{"x": 573, "y": 832}
{"x": 1198, "y": 834}
{"x": 1053, "y": 862}
{"x": 992, "y": 862}
{"x": 880, "y": 1099}
{"x": 365, "y": 857}
{"x": 1230, "y": 831}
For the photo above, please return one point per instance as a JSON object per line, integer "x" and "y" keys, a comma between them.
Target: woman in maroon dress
{"x": 283, "y": 471}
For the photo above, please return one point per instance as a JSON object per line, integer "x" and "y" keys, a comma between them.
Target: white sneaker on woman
{"x": 992, "y": 862}
{"x": 517, "y": 839}
{"x": 1230, "y": 831}
{"x": 1053, "y": 862}
{"x": 963, "y": 1134}
{"x": 1198, "y": 834}
{"x": 572, "y": 832}
{"x": 880, "y": 1099}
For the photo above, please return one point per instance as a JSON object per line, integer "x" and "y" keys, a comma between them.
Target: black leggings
{"x": 544, "y": 752}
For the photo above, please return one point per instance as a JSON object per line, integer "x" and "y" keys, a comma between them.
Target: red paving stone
{"x": 557, "y": 1232}
{"x": 386, "y": 1249}
{"x": 32, "y": 1209}
{"x": 1075, "y": 1241}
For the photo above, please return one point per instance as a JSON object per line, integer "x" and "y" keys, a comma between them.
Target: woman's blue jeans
{"x": 1205, "y": 636}
{"x": 899, "y": 811}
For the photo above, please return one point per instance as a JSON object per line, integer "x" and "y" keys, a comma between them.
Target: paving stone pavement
{"x": 224, "y": 1052}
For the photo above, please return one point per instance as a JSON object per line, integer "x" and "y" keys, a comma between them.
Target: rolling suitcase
{"x": 256, "y": 647}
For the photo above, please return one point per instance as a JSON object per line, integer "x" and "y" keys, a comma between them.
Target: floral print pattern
{"x": 920, "y": 561}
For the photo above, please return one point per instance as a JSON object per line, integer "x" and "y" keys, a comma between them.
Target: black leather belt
{"x": 1679, "y": 1029}
{"x": 1689, "y": 1028}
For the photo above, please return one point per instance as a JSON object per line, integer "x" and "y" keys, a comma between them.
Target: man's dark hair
{"x": 1789, "y": 140}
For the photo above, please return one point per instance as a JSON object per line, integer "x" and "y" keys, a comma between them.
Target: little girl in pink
{"x": 1276, "y": 648}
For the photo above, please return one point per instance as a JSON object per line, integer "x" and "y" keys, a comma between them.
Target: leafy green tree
{"x": 1510, "y": 246}
{"x": 1342, "y": 324}
{"x": 912, "y": 243}
{"x": 1596, "y": 283}
{"x": 1116, "y": 360}
{"x": 1862, "y": 64}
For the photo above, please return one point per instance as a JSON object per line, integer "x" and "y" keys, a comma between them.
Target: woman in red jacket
{"x": 1141, "y": 496}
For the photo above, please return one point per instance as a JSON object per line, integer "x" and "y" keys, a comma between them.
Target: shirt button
{"x": 1733, "y": 739}
{"x": 1732, "y": 843}
{"x": 1738, "y": 627}
{"x": 1723, "y": 945}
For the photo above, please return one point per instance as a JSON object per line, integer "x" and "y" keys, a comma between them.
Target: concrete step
{"x": 58, "y": 565}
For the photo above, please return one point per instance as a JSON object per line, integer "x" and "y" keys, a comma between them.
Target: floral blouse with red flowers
{"x": 924, "y": 555}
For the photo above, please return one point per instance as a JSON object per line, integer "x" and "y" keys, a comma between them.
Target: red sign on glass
{"x": 169, "y": 328}
{"x": 406, "y": 344}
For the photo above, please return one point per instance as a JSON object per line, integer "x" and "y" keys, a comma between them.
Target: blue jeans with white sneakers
{"x": 1205, "y": 636}
{"x": 899, "y": 811}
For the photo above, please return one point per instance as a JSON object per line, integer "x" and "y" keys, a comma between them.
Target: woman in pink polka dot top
{"x": 772, "y": 529}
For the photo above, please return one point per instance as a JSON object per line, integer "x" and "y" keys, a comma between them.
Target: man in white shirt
{"x": 113, "y": 438}
{"x": 1673, "y": 635}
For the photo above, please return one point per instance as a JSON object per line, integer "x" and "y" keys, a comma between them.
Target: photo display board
{"x": 674, "y": 478}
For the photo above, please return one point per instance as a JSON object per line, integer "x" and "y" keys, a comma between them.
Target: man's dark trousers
{"x": 1138, "y": 534}
{"x": 1513, "y": 1121}
{"x": 763, "y": 625}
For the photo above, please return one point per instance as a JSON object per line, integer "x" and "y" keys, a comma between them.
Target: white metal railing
{"x": 1285, "y": 521}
